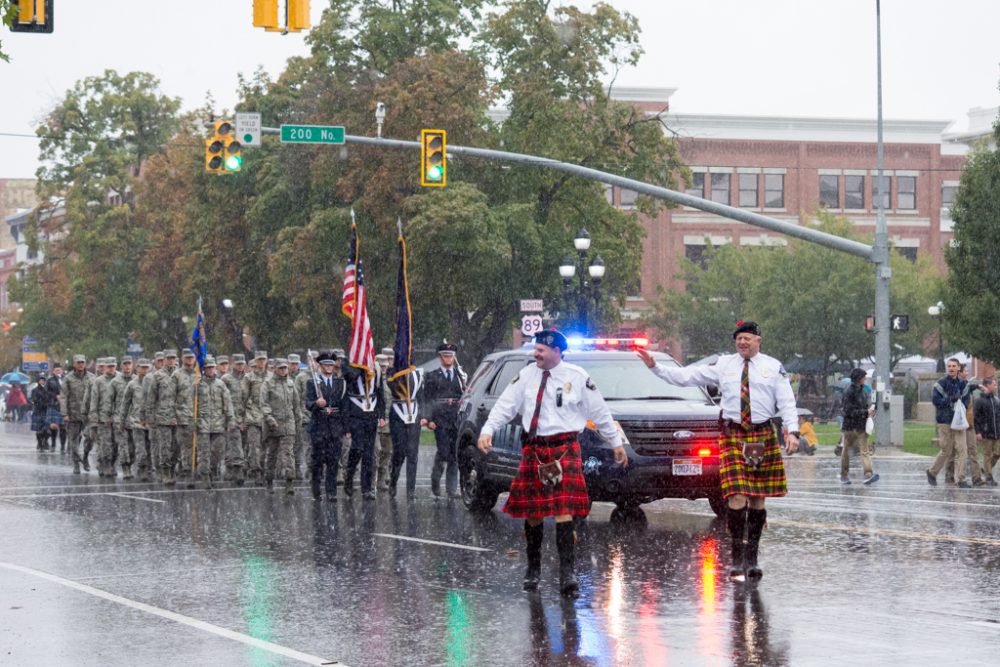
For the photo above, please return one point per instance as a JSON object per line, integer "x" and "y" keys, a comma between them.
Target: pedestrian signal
{"x": 870, "y": 323}
{"x": 433, "y": 158}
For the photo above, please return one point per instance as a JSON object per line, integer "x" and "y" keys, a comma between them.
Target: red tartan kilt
{"x": 530, "y": 499}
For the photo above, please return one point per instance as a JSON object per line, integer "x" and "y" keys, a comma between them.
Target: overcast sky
{"x": 757, "y": 57}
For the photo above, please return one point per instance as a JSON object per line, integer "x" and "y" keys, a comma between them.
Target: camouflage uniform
{"x": 124, "y": 446}
{"x": 215, "y": 419}
{"x": 281, "y": 408}
{"x": 234, "y": 457}
{"x": 74, "y": 410}
{"x": 254, "y": 420}
{"x": 303, "y": 443}
{"x": 383, "y": 444}
{"x": 130, "y": 418}
{"x": 160, "y": 407}
{"x": 103, "y": 401}
{"x": 185, "y": 382}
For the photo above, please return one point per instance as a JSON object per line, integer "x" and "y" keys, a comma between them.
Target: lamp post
{"x": 936, "y": 311}
{"x": 585, "y": 289}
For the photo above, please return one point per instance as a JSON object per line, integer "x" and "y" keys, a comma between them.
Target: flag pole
{"x": 197, "y": 384}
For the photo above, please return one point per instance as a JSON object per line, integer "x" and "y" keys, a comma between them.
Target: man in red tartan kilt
{"x": 555, "y": 399}
{"x": 754, "y": 389}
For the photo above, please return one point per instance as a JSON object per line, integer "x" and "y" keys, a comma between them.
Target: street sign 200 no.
{"x": 312, "y": 134}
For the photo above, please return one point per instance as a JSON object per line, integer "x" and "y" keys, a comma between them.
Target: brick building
{"x": 790, "y": 167}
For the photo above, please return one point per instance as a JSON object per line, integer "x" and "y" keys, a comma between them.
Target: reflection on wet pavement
{"x": 862, "y": 575}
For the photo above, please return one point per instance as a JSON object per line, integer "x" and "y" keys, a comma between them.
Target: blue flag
{"x": 400, "y": 382}
{"x": 199, "y": 344}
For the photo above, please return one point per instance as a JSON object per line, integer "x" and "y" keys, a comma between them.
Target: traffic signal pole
{"x": 877, "y": 254}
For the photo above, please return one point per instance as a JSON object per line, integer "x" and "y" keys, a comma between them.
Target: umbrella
{"x": 15, "y": 376}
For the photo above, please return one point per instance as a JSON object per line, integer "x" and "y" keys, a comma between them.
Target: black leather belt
{"x": 447, "y": 401}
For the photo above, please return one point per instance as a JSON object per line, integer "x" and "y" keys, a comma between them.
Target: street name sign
{"x": 312, "y": 134}
{"x": 248, "y": 128}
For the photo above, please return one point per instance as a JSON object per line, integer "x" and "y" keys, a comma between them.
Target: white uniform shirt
{"x": 770, "y": 391}
{"x": 569, "y": 385}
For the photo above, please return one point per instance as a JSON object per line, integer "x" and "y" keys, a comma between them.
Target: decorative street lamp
{"x": 936, "y": 311}
{"x": 585, "y": 289}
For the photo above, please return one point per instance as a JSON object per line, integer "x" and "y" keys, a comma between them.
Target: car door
{"x": 506, "y": 455}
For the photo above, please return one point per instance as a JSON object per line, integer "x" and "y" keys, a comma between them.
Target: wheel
{"x": 629, "y": 516}
{"x": 478, "y": 495}
{"x": 718, "y": 505}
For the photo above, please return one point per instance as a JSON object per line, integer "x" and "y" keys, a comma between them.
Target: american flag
{"x": 362, "y": 351}
{"x": 347, "y": 301}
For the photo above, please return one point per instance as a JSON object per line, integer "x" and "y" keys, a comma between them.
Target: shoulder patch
{"x": 781, "y": 369}
{"x": 591, "y": 385}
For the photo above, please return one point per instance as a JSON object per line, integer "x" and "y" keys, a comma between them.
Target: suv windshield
{"x": 625, "y": 379}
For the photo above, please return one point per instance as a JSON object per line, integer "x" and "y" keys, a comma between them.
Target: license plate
{"x": 687, "y": 467}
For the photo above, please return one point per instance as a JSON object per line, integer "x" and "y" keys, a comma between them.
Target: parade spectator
{"x": 17, "y": 402}
{"x": 41, "y": 399}
{"x": 949, "y": 392}
{"x": 857, "y": 410}
{"x": 987, "y": 426}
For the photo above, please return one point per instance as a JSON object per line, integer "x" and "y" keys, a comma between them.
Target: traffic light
{"x": 265, "y": 15}
{"x": 33, "y": 16}
{"x": 298, "y": 15}
{"x": 433, "y": 158}
{"x": 223, "y": 151}
{"x": 232, "y": 153}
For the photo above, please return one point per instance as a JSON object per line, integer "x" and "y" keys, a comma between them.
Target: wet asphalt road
{"x": 109, "y": 574}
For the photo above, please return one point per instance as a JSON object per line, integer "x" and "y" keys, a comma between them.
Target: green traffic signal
{"x": 234, "y": 162}
{"x": 435, "y": 173}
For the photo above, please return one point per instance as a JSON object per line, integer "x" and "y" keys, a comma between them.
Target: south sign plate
{"x": 312, "y": 134}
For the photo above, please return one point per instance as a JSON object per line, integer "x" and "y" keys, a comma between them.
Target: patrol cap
{"x": 110, "y": 361}
{"x": 170, "y": 354}
{"x": 746, "y": 327}
{"x": 294, "y": 359}
{"x": 261, "y": 354}
{"x": 281, "y": 363}
{"x": 222, "y": 359}
{"x": 239, "y": 359}
{"x": 447, "y": 349}
{"x": 79, "y": 358}
{"x": 101, "y": 361}
{"x": 327, "y": 357}
{"x": 127, "y": 359}
{"x": 144, "y": 363}
{"x": 552, "y": 338}
{"x": 209, "y": 361}
{"x": 187, "y": 353}
{"x": 157, "y": 355}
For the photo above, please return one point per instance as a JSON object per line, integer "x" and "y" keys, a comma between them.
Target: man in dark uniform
{"x": 404, "y": 426}
{"x": 754, "y": 389}
{"x": 555, "y": 400}
{"x": 328, "y": 406}
{"x": 442, "y": 391}
{"x": 366, "y": 413}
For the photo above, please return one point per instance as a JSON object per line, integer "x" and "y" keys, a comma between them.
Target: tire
{"x": 478, "y": 494}
{"x": 718, "y": 505}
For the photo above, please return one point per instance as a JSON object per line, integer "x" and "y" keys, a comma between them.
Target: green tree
{"x": 93, "y": 146}
{"x": 972, "y": 295}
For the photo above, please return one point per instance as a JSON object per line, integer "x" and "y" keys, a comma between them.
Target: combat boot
{"x": 755, "y": 526}
{"x": 314, "y": 487}
{"x": 533, "y": 541}
{"x": 76, "y": 468}
{"x": 289, "y": 487}
{"x": 569, "y": 586}
{"x": 737, "y": 523}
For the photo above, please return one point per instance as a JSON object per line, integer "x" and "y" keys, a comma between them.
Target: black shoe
{"x": 964, "y": 485}
{"x": 991, "y": 482}
{"x": 844, "y": 479}
{"x": 931, "y": 479}
{"x": 411, "y": 495}
{"x": 86, "y": 465}
{"x": 392, "y": 491}
{"x": 871, "y": 479}
{"x": 368, "y": 495}
{"x": 348, "y": 489}
{"x": 838, "y": 450}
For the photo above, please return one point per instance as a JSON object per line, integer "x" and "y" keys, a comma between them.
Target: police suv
{"x": 671, "y": 433}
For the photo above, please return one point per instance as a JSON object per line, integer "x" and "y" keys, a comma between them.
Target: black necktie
{"x": 447, "y": 374}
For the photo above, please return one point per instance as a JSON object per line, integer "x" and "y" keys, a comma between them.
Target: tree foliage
{"x": 972, "y": 292}
{"x": 273, "y": 238}
{"x": 810, "y": 301}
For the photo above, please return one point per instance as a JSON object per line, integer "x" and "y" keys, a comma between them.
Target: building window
{"x": 906, "y": 195}
{"x": 948, "y": 193}
{"x": 829, "y": 191}
{"x": 854, "y": 192}
{"x": 697, "y": 188}
{"x": 886, "y": 192}
{"x": 748, "y": 190}
{"x": 696, "y": 253}
{"x": 627, "y": 197}
{"x": 909, "y": 253}
{"x": 720, "y": 188}
{"x": 609, "y": 194}
{"x": 774, "y": 190}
